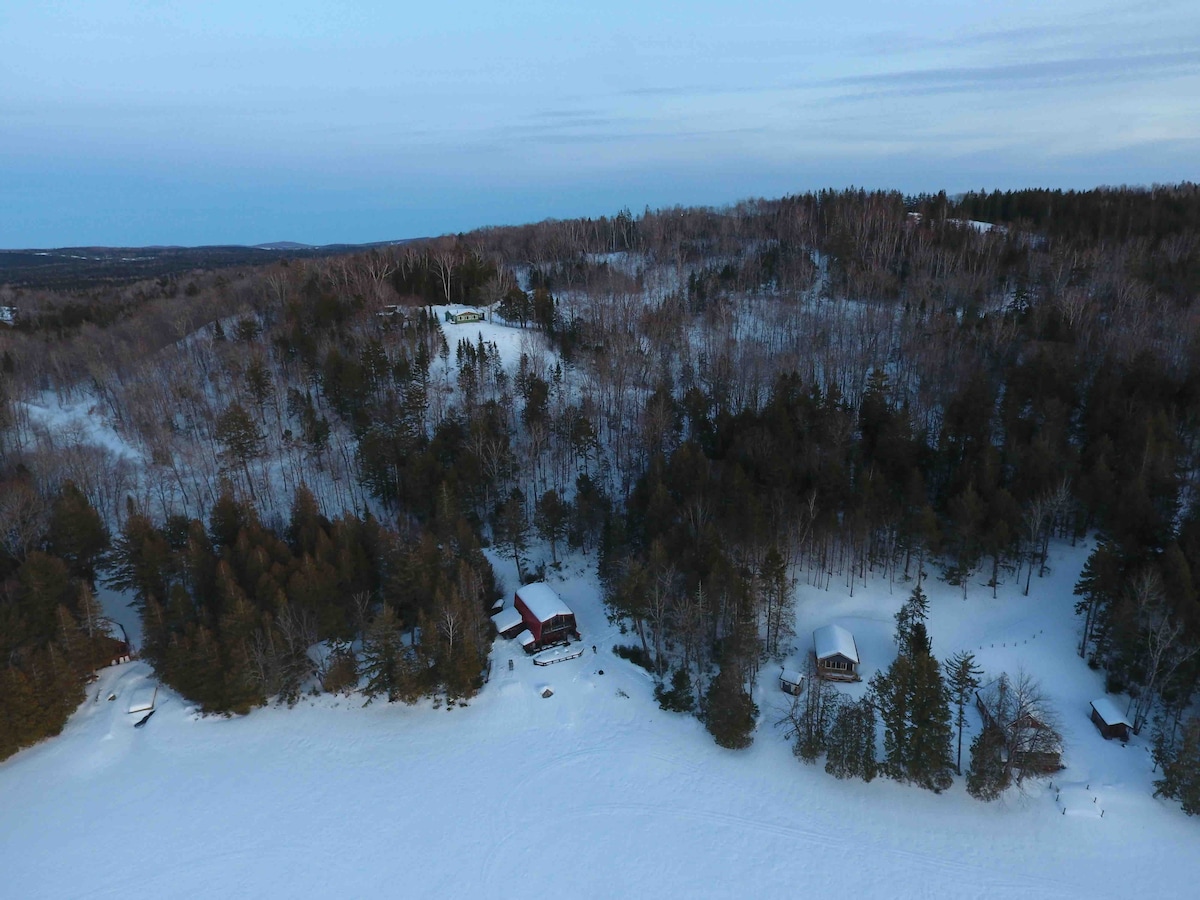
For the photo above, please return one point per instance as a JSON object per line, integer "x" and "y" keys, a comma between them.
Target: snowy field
{"x": 592, "y": 792}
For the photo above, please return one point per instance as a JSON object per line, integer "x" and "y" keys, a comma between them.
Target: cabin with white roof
{"x": 462, "y": 315}
{"x": 836, "y": 654}
{"x": 1110, "y": 721}
{"x": 548, "y": 619}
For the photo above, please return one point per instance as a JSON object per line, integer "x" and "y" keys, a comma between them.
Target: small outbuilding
{"x": 1028, "y": 742}
{"x": 1109, "y": 720}
{"x": 508, "y": 622}
{"x": 836, "y": 654}
{"x": 143, "y": 698}
{"x": 791, "y": 682}
{"x": 548, "y": 618}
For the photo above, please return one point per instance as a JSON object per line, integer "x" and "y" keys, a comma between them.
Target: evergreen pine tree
{"x": 913, "y": 703}
{"x": 382, "y": 656}
{"x": 227, "y": 517}
{"x": 678, "y": 698}
{"x": 963, "y": 677}
{"x": 915, "y": 610}
{"x": 930, "y": 733}
{"x": 510, "y": 528}
{"x": 868, "y": 767}
{"x": 1180, "y": 768}
{"x": 729, "y": 713}
{"x": 76, "y": 533}
{"x": 550, "y": 517}
{"x": 987, "y": 776}
{"x": 841, "y": 745}
{"x": 890, "y": 692}
{"x": 850, "y": 747}
{"x": 780, "y": 606}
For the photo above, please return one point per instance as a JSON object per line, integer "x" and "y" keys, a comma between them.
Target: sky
{"x": 127, "y": 123}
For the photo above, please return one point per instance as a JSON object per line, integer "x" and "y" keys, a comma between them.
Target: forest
{"x": 714, "y": 404}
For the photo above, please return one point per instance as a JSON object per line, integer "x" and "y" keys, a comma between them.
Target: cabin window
{"x": 839, "y": 664}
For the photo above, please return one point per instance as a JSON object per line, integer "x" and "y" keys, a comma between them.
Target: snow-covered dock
{"x": 558, "y": 654}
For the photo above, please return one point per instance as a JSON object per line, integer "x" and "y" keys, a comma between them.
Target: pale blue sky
{"x": 125, "y": 122}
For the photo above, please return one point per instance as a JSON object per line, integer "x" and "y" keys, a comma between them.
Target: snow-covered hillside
{"x": 591, "y": 792}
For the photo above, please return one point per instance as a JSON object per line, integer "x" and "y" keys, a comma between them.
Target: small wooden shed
{"x": 791, "y": 682}
{"x": 508, "y": 622}
{"x": 1034, "y": 746}
{"x": 1109, "y": 720}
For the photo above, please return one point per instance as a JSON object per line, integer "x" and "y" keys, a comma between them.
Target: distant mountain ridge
{"x": 70, "y": 267}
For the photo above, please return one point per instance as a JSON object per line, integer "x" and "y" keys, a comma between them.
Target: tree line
{"x": 53, "y": 633}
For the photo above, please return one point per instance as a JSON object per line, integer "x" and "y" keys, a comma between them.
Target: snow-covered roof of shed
{"x": 832, "y": 640}
{"x": 525, "y": 637}
{"x": 543, "y": 601}
{"x": 506, "y": 619}
{"x": 791, "y": 676}
{"x": 143, "y": 697}
{"x": 1107, "y": 710}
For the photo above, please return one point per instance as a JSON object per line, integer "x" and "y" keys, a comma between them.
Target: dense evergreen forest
{"x": 717, "y": 403}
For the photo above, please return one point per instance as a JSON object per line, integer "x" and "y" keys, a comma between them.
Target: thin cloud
{"x": 1092, "y": 68}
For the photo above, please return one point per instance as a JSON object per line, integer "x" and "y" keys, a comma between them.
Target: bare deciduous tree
{"x": 1162, "y": 645}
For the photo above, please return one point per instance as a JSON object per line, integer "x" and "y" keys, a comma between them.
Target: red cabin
{"x": 548, "y": 618}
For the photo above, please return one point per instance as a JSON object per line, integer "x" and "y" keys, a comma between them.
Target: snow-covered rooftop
{"x": 543, "y": 601}
{"x": 525, "y": 637}
{"x": 791, "y": 676}
{"x": 506, "y": 619}
{"x": 142, "y": 699}
{"x": 1107, "y": 710}
{"x": 831, "y": 640}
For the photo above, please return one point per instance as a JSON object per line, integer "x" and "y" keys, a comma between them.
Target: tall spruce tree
{"x": 383, "y": 656}
{"x": 729, "y": 713}
{"x": 850, "y": 747}
{"x": 987, "y": 776}
{"x": 963, "y": 678}
{"x": 890, "y": 692}
{"x": 778, "y": 601}
{"x": 241, "y": 439}
{"x": 1180, "y": 764}
{"x": 929, "y": 734}
{"x": 914, "y": 704}
{"x": 550, "y": 519}
{"x": 510, "y": 529}
{"x": 76, "y": 532}
{"x": 915, "y": 610}
{"x": 840, "y": 743}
